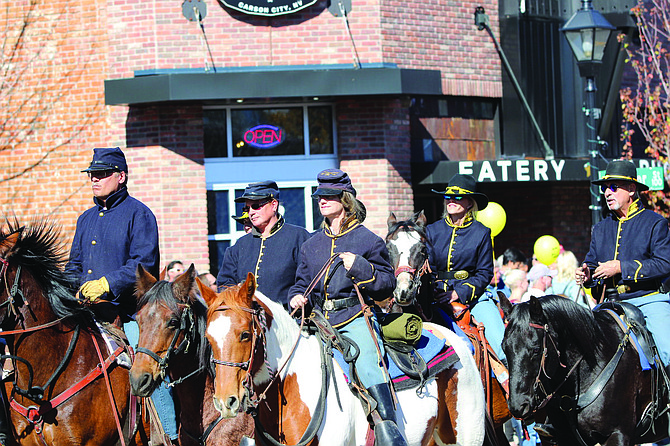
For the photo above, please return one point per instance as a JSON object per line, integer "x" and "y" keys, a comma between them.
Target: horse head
{"x": 169, "y": 316}
{"x": 406, "y": 243}
{"x": 236, "y": 326}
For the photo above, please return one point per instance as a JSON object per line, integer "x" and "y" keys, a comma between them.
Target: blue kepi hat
{"x": 108, "y": 159}
{"x": 259, "y": 191}
{"x": 333, "y": 182}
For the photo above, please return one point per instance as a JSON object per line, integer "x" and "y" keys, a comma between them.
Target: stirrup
{"x": 545, "y": 430}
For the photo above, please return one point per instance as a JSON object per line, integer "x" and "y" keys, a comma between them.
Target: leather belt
{"x": 338, "y": 304}
{"x": 448, "y": 275}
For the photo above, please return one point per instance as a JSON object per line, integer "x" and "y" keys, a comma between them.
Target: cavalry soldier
{"x": 111, "y": 239}
{"x": 460, "y": 252}
{"x": 270, "y": 250}
{"x": 629, "y": 255}
{"x": 363, "y": 260}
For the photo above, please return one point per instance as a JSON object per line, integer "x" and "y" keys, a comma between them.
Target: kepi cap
{"x": 333, "y": 182}
{"x": 108, "y": 159}
{"x": 259, "y": 191}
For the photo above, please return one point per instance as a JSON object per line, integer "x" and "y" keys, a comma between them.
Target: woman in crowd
{"x": 363, "y": 261}
{"x": 564, "y": 282}
{"x": 460, "y": 251}
{"x": 517, "y": 282}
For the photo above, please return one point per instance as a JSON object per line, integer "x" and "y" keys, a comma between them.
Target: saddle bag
{"x": 407, "y": 359}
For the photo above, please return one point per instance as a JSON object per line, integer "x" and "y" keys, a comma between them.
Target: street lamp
{"x": 587, "y": 32}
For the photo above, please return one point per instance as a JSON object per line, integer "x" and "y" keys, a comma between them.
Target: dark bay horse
{"x": 582, "y": 368}
{"x": 406, "y": 242}
{"x": 264, "y": 363}
{"x": 172, "y": 342}
{"x": 59, "y": 395}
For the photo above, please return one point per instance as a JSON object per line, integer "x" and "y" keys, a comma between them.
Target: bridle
{"x": 537, "y": 385}
{"x": 259, "y": 328}
{"x": 15, "y": 296}
{"x": 187, "y": 327}
{"x": 416, "y": 274}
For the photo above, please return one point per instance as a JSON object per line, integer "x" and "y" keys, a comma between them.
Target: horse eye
{"x": 245, "y": 336}
{"x": 173, "y": 323}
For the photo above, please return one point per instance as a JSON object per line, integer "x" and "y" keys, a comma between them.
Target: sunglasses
{"x": 452, "y": 197}
{"x": 613, "y": 187}
{"x": 100, "y": 174}
{"x": 257, "y": 206}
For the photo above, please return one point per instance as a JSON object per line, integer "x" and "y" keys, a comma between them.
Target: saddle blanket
{"x": 432, "y": 349}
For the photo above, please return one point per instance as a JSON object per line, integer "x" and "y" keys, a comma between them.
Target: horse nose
{"x": 232, "y": 403}
{"x": 141, "y": 385}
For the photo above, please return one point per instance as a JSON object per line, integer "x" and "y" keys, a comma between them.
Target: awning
{"x": 270, "y": 82}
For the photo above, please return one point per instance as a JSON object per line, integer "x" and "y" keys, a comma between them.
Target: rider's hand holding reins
{"x": 94, "y": 289}
{"x": 298, "y": 301}
{"x": 582, "y": 274}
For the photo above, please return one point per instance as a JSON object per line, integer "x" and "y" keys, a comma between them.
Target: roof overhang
{"x": 271, "y": 83}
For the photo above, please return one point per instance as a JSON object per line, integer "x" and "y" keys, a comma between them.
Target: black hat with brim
{"x": 241, "y": 218}
{"x": 465, "y": 186}
{"x": 333, "y": 182}
{"x": 259, "y": 191}
{"x": 621, "y": 170}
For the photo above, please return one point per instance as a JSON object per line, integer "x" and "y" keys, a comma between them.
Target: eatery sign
{"x": 268, "y": 7}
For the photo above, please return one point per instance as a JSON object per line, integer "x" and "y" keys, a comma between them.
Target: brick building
{"x": 395, "y": 93}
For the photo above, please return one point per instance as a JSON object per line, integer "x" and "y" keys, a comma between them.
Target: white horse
{"x": 252, "y": 337}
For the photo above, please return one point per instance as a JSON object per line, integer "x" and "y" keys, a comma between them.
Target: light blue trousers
{"x": 368, "y": 364}
{"x": 162, "y": 396}
{"x": 656, "y": 310}
{"x": 486, "y": 311}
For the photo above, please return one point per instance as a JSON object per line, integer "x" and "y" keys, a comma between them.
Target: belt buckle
{"x": 461, "y": 275}
{"x": 328, "y": 305}
{"x": 621, "y": 289}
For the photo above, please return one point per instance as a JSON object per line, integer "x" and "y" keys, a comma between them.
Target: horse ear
{"x": 420, "y": 218}
{"x": 505, "y": 305}
{"x": 9, "y": 243}
{"x": 536, "y": 313}
{"x": 182, "y": 285}
{"x": 392, "y": 220}
{"x": 248, "y": 289}
{"x": 162, "y": 274}
{"x": 206, "y": 292}
{"x": 143, "y": 280}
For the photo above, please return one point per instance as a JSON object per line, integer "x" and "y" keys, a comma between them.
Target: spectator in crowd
{"x": 517, "y": 282}
{"x": 174, "y": 269}
{"x": 564, "y": 283}
{"x": 540, "y": 278}
{"x": 208, "y": 280}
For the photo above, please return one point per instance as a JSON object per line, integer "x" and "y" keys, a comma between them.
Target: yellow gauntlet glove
{"x": 93, "y": 289}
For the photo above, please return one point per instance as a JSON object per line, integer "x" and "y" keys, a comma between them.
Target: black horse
{"x": 581, "y": 367}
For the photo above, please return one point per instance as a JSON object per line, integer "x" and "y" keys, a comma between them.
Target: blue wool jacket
{"x": 111, "y": 241}
{"x": 371, "y": 271}
{"x": 461, "y": 248}
{"x": 640, "y": 242}
{"x": 273, "y": 260}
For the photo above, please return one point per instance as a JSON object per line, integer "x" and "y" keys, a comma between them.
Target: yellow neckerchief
{"x": 469, "y": 218}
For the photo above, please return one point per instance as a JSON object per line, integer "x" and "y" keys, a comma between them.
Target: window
{"x": 290, "y": 130}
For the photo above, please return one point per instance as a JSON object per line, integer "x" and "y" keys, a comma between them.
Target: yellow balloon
{"x": 546, "y": 249}
{"x": 493, "y": 217}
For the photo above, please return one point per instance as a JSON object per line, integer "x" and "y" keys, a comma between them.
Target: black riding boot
{"x": 386, "y": 432}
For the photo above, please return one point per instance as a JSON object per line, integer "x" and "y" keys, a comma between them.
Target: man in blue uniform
{"x": 114, "y": 236}
{"x": 629, "y": 255}
{"x": 270, "y": 251}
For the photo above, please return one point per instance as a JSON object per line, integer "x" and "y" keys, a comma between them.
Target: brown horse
{"x": 264, "y": 364}
{"x": 172, "y": 342}
{"x": 59, "y": 394}
{"x": 406, "y": 243}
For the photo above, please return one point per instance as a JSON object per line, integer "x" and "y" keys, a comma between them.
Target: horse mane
{"x": 574, "y": 324}
{"x": 162, "y": 294}
{"x": 406, "y": 226}
{"x": 41, "y": 251}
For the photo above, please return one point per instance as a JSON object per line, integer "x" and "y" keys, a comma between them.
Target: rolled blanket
{"x": 402, "y": 327}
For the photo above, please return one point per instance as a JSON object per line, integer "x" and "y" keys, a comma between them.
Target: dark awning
{"x": 271, "y": 83}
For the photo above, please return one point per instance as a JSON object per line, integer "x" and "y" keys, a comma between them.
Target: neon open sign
{"x": 264, "y": 136}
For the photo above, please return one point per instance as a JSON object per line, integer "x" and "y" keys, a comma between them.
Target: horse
{"x": 406, "y": 242}
{"x": 265, "y": 364}
{"x": 581, "y": 367}
{"x": 172, "y": 342}
{"x": 66, "y": 388}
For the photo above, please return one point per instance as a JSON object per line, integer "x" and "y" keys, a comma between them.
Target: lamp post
{"x": 587, "y": 32}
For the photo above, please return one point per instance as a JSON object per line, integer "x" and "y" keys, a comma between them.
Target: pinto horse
{"x": 582, "y": 367}
{"x": 264, "y": 363}
{"x": 172, "y": 342}
{"x": 406, "y": 243}
{"x": 67, "y": 388}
